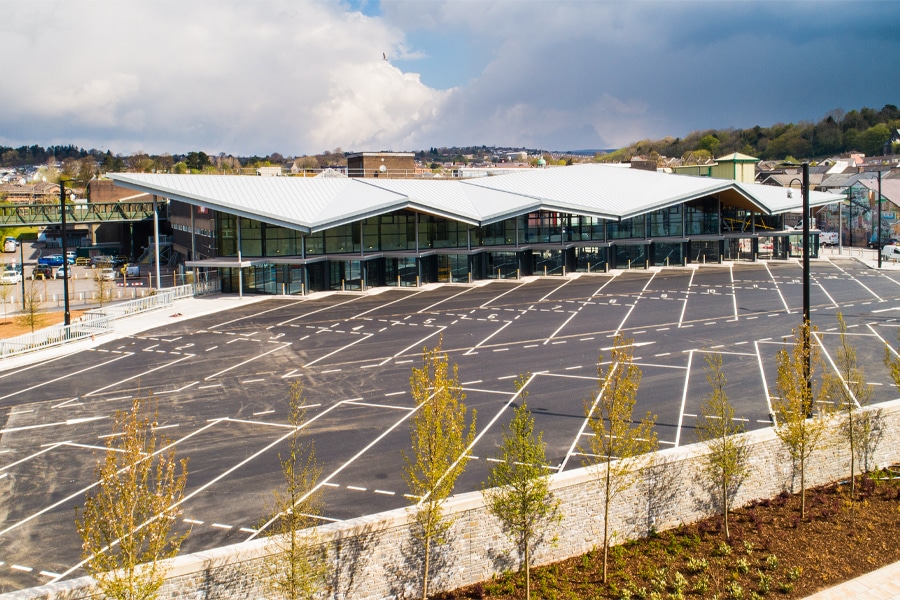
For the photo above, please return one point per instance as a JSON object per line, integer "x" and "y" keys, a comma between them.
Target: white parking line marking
{"x": 61, "y": 377}
{"x": 139, "y": 375}
{"x": 56, "y": 424}
{"x": 249, "y": 360}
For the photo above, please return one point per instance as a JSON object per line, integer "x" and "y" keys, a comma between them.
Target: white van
{"x": 891, "y": 252}
{"x": 828, "y": 238}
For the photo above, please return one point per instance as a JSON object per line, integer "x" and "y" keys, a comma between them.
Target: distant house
{"x": 38, "y": 193}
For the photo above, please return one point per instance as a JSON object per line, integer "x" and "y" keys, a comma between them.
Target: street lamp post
{"x": 805, "y": 327}
{"x": 879, "y": 219}
{"x": 65, "y": 251}
{"x": 807, "y": 345}
{"x": 22, "y": 266}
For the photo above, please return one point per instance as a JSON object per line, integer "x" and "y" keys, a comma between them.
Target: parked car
{"x": 42, "y": 272}
{"x": 54, "y": 260}
{"x": 10, "y": 277}
{"x": 106, "y": 274}
{"x": 132, "y": 270}
{"x": 70, "y": 255}
{"x": 61, "y": 272}
{"x": 101, "y": 260}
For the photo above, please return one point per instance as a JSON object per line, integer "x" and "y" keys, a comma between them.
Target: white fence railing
{"x": 91, "y": 324}
{"x": 99, "y": 321}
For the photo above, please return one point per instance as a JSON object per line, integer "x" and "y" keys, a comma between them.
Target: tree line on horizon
{"x": 865, "y": 130}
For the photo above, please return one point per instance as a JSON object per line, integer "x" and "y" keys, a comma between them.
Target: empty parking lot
{"x": 222, "y": 382}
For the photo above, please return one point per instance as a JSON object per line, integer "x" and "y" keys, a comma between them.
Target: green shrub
{"x": 679, "y": 583}
{"x": 701, "y": 585}
{"x": 743, "y": 566}
{"x": 723, "y": 549}
{"x": 697, "y": 565}
{"x": 772, "y": 562}
{"x": 734, "y": 590}
{"x": 765, "y": 582}
{"x": 794, "y": 573}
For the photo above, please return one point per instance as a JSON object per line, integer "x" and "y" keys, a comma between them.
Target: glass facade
{"x": 405, "y": 248}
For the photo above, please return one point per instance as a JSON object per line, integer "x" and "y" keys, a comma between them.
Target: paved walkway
{"x": 183, "y": 309}
{"x": 883, "y": 584}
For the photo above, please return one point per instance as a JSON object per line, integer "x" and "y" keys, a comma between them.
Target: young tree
{"x": 126, "y": 523}
{"x": 439, "y": 442}
{"x": 849, "y": 392}
{"x": 727, "y": 462}
{"x": 617, "y": 443}
{"x": 32, "y": 315}
{"x": 800, "y": 423}
{"x": 102, "y": 287}
{"x": 297, "y": 569}
{"x": 5, "y": 293}
{"x": 518, "y": 488}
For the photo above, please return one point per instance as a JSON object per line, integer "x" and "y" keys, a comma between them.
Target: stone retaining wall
{"x": 371, "y": 556}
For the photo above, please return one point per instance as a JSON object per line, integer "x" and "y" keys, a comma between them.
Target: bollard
{"x": 589, "y": 268}
{"x": 667, "y": 261}
{"x": 545, "y": 270}
{"x": 646, "y": 263}
{"x": 342, "y": 285}
{"x": 606, "y": 267}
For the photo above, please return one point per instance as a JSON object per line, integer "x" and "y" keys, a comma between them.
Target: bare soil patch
{"x": 12, "y": 326}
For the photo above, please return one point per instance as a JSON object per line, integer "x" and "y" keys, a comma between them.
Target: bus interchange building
{"x": 292, "y": 235}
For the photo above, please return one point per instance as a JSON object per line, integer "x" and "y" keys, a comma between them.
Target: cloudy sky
{"x": 298, "y": 77}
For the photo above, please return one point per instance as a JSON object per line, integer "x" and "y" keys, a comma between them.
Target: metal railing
{"x": 91, "y": 324}
{"x": 97, "y": 321}
{"x": 161, "y": 299}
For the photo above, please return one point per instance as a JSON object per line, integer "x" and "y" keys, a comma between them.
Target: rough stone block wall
{"x": 372, "y": 557}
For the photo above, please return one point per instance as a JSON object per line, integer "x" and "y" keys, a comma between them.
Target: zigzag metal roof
{"x": 313, "y": 204}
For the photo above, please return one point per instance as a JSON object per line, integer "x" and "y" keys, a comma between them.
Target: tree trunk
{"x": 527, "y": 574}
{"x": 606, "y": 524}
{"x": 850, "y": 425}
{"x": 425, "y": 574}
{"x": 802, "y": 489}
{"x": 725, "y": 509}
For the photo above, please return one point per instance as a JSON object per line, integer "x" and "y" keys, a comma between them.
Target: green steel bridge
{"x": 80, "y": 213}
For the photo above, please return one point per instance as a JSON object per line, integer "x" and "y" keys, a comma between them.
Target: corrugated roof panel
{"x": 593, "y": 190}
{"x": 601, "y": 189}
{"x": 778, "y": 199}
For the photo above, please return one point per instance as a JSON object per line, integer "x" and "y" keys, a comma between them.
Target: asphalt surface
{"x": 222, "y": 383}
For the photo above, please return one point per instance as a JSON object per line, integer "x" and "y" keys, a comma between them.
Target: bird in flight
{"x": 384, "y": 55}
